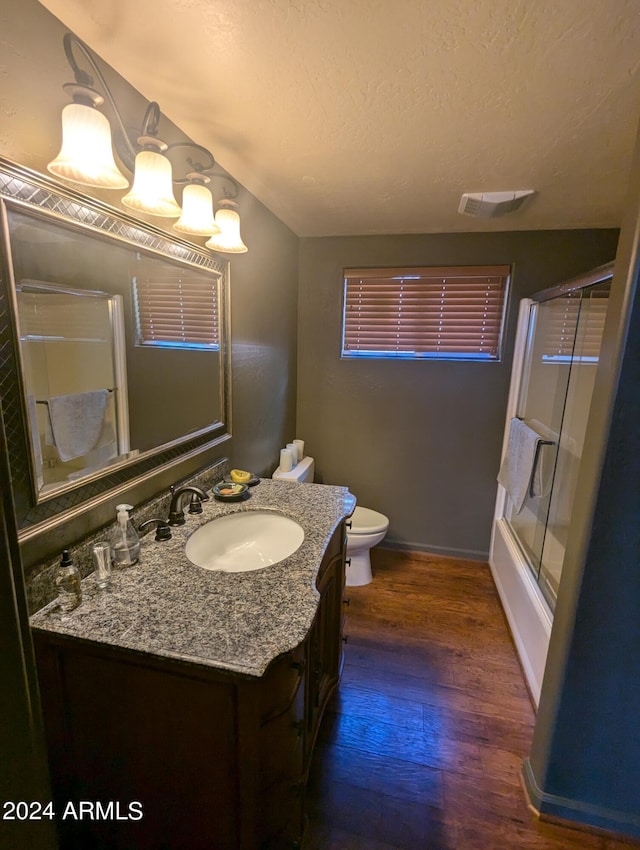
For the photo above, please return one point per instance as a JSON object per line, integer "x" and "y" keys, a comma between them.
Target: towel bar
{"x": 541, "y": 442}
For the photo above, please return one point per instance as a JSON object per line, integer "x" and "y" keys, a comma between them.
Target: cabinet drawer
{"x": 281, "y": 682}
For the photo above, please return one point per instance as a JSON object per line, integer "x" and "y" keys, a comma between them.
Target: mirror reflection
{"x": 121, "y": 348}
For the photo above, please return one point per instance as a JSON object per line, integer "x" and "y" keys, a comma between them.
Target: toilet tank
{"x": 302, "y": 472}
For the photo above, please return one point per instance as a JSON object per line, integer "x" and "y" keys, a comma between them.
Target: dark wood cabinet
{"x": 209, "y": 758}
{"x": 325, "y": 646}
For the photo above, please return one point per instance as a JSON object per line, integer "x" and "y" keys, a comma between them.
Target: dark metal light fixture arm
{"x": 203, "y": 171}
{"x": 235, "y": 188}
{"x": 197, "y": 170}
{"x": 84, "y": 80}
{"x": 192, "y": 163}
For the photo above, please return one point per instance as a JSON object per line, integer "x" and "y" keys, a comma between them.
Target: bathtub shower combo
{"x": 555, "y": 359}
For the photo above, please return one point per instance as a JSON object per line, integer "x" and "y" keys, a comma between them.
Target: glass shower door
{"x": 541, "y": 405}
{"x": 589, "y": 326}
{"x": 563, "y": 346}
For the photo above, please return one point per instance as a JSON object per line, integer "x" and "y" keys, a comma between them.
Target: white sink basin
{"x": 245, "y": 541}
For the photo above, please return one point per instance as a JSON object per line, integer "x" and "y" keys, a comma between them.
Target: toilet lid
{"x": 366, "y": 521}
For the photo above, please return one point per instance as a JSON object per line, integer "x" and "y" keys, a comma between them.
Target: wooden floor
{"x": 422, "y": 746}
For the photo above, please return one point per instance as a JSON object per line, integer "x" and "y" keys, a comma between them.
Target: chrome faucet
{"x": 176, "y": 513}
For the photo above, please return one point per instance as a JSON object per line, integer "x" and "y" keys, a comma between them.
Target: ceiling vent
{"x": 493, "y": 204}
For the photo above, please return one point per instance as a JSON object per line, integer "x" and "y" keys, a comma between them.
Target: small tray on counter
{"x": 230, "y": 491}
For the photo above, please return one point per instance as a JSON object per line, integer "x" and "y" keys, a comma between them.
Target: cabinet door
{"x": 282, "y": 743}
{"x": 329, "y": 631}
{"x": 121, "y": 733}
{"x": 325, "y": 640}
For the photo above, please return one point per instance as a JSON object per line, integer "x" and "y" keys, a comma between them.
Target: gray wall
{"x": 419, "y": 441}
{"x": 264, "y": 315}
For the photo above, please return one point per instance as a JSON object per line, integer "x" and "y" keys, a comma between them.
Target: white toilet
{"x": 367, "y": 527}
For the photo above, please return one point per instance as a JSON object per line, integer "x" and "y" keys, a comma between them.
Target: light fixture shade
{"x": 228, "y": 241}
{"x": 197, "y": 212}
{"x": 86, "y": 155}
{"x": 152, "y": 191}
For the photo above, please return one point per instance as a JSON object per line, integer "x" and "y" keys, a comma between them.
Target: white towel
{"x": 517, "y": 470}
{"x": 76, "y": 422}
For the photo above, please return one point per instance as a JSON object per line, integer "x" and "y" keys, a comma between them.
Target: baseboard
{"x": 429, "y": 549}
{"x": 576, "y": 813}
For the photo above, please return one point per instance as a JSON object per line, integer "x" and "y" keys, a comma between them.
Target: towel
{"x": 76, "y": 422}
{"x": 517, "y": 470}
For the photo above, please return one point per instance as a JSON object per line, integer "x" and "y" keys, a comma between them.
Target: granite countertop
{"x": 165, "y": 606}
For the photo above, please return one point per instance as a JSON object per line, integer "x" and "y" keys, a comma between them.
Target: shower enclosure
{"x": 71, "y": 345}
{"x": 555, "y": 359}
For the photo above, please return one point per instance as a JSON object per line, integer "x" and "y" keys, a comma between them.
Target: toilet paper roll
{"x": 294, "y": 452}
{"x": 286, "y": 460}
{"x": 300, "y": 446}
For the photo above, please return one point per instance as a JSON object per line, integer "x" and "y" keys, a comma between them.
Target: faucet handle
{"x": 163, "y": 531}
{"x": 176, "y": 517}
{"x": 195, "y": 505}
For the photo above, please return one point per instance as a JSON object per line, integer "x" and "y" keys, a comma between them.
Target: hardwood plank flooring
{"x": 422, "y": 745}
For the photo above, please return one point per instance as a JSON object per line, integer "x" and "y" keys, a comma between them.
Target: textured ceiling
{"x": 373, "y": 116}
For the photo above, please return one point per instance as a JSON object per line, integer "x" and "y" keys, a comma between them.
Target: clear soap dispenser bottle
{"x": 125, "y": 543}
{"x": 68, "y": 583}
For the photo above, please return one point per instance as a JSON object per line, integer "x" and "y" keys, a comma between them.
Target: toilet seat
{"x": 366, "y": 521}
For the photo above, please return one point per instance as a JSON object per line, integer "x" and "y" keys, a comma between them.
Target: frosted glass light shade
{"x": 152, "y": 190}
{"x": 228, "y": 241}
{"x": 197, "y": 212}
{"x": 86, "y": 155}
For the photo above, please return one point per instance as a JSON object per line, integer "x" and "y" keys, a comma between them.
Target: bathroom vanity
{"x": 191, "y": 699}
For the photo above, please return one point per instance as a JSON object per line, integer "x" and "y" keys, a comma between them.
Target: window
{"x": 443, "y": 313}
{"x": 49, "y": 313}
{"x": 575, "y": 325}
{"x": 176, "y": 308}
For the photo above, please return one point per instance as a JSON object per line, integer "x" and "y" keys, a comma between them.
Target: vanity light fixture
{"x": 228, "y": 240}
{"x": 152, "y": 191}
{"x": 197, "y": 207}
{"x": 86, "y": 157}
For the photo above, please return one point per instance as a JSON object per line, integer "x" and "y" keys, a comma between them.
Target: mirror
{"x": 122, "y": 336}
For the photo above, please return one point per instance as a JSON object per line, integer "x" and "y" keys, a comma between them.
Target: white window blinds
{"x": 62, "y": 316}
{"x": 432, "y": 313}
{"x": 575, "y": 325}
{"x": 176, "y": 308}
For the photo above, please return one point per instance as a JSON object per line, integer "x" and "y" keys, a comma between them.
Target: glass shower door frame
{"x": 528, "y": 612}
{"x": 554, "y": 398}
{"x": 542, "y": 405}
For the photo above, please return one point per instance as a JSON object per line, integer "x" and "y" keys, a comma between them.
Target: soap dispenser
{"x": 68, "y": 583}
{"x": 125, "y": 543}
